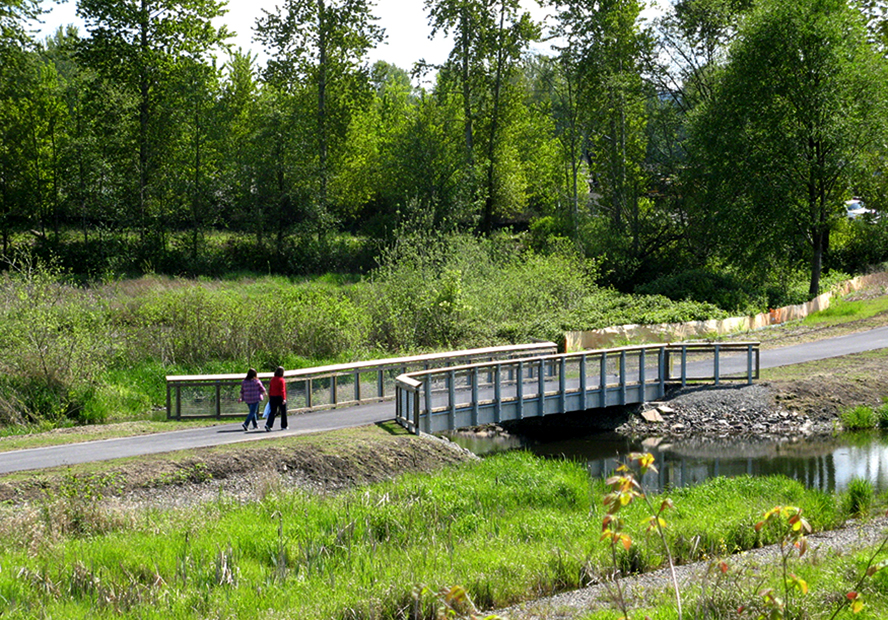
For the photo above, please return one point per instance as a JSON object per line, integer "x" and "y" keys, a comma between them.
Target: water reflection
{"x": 828, "y": 464}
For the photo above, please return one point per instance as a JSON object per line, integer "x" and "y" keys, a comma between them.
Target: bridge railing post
{"x": 684, "y": 365}
{"x": 473, "y": 377}
{"x": 541, "y": 385}
{"x": 451, "y": 394}
{"x": 623, "y": 377}
{"x": 663, "y": 359}
{"x": 603, "y": 380}
{"x": 498, "y": 394}
{"x": 749, "y": 353}
{"x": 520, "y": 390}
{"x": 583, "y": 382}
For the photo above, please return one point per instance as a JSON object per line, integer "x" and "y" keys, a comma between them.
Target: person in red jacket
{"x": 277, "y": 399}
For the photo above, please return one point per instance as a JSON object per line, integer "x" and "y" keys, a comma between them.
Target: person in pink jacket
{"x": 252, "y": 393}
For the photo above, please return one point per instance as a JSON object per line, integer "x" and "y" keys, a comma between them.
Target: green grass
{"x": 507, "y": 528}
{"x": 841, "y": 311}
{"x": 828, "y": 576}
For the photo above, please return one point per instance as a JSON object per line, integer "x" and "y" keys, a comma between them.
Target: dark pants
{"x": 277, "y": 405}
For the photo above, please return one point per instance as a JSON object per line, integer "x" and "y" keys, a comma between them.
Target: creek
{"x": 824, "y": 463}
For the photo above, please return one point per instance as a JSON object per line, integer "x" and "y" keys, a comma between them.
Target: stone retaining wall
{"x": 675, "y": 332}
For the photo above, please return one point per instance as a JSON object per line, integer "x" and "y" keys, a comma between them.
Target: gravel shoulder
{"x": 855, "y": 536}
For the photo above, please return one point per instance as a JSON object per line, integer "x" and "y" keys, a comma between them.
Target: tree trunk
{"x": 487, "y": 220}
{"x": 322, "y": 118}
{"x": 144, "y": 114}
{"x": 816, "y": 264}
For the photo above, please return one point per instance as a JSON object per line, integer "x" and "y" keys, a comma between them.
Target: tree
{"x": 605, "y": 52}
{"x": 17, "y": 75}
{"x": 692, "y": 41}
{"x": 136, "y": 43}
{"x": 490, "y": 36}
{"x": 795, "y": 114}
{"x": 317, "y": 50}
{"x": 13, "y": 14}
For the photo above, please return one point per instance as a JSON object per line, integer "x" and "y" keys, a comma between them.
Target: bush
{"x": 860, "y": 417}
{"x": 434, "y": 291}
{"x": 54, "y": 343}
{"x": 858, "y": 499}
{"x": 724, "y": 290}
{"x": 882, "y": 415}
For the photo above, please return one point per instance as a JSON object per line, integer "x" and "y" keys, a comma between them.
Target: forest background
{"x": 168, "y": 204}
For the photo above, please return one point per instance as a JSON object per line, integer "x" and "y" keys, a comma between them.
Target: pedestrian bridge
{"x": 446, "y": 391}
{"x": 445, "y": 399}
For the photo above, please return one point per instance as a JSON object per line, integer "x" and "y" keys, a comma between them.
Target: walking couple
{"x": 252, "y": 393}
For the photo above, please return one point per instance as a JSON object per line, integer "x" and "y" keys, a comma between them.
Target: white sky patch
{"x": 407, "y": 30}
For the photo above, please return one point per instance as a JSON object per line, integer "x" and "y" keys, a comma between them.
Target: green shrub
{"x": 860, "y": 417}
{"x": 882, "y": 415}
{"x": 858, "y": 498}
{"x": 724, "y": 290}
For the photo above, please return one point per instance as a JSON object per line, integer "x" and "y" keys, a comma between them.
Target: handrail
{"x": 495, "y": 390}
{"x": 324, "y": 387}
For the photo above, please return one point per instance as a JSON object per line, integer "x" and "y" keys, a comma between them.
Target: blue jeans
{"x": 251, "y": 417}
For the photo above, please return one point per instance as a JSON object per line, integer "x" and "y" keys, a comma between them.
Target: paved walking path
{"x": 319, "y": 421}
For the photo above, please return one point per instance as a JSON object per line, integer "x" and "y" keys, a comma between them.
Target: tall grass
{"x": 860, "y": 417}
{"x": 507, "y": 528}
{"x": 841, "y": 311}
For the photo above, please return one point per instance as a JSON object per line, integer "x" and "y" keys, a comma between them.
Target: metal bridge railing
{"x": 443, "y": 399}
{"x": 325, "y": 387}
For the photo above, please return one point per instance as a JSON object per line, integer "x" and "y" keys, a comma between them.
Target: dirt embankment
{"x": 317, "y": 464}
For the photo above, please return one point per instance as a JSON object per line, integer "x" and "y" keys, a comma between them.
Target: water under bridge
{"x": 446, "y": 391}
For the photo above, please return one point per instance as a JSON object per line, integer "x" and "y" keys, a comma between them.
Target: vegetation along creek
{"x": 172, "y": 204}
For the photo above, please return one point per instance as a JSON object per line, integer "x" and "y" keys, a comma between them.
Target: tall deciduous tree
{"x": 489, "y": 38}
{"x": 607, "y": 50}
{"x": 137, "y": 43}
{"x": 318, "y": 50}
{"x": 13, "y": 15}
{"x": 16, "y": 71}
{"x": 795, "y": 115}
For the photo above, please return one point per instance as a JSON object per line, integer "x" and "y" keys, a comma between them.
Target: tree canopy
{"x": 720, "y": 137}
{"x": 797, "y": 107}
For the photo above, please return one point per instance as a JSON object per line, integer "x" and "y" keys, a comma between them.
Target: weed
{"x": 860, "y": 417}
{"x": 859, "y": 497}
{"x": 78, "y": 509}
{"x": 196, "y": 473}
{"x": 882, "y": 415}
{"x": 625, "y": 490}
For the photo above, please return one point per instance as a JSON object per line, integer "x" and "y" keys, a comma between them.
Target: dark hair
{"x": 251, "y": 374}
{"x": 279, "y": 371}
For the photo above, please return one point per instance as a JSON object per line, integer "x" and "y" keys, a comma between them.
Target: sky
{"x": 404, "y": 21}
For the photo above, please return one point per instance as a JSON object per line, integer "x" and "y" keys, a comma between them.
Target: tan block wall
{"x": 675, "y": 332}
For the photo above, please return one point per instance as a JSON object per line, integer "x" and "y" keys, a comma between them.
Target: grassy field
{"x": 507, "y": 528}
